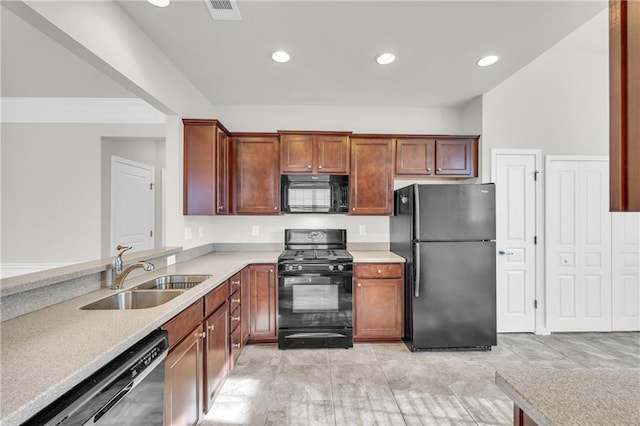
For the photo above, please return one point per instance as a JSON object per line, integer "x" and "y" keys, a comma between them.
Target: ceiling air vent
{"x": 224, "y": 10}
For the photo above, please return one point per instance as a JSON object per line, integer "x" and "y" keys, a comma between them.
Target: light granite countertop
{"x": 575, "y": 397}
{"x": 47, "y": 352}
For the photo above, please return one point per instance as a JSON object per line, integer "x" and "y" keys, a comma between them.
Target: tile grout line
{"x": 378, "y": 363}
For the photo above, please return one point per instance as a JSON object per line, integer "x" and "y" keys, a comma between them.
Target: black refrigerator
{"x": 446, "y": 233}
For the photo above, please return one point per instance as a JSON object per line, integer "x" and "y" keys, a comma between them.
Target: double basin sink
{"x": 152, "y": 293}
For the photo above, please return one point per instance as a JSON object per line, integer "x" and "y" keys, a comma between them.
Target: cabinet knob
{"x": 235, "y": 318}
{"x": 379, "y": 271}
{"x": 236, "y": 345}
{"x": 275, "y": 208}
{"x": 359, "y": 284}
{"x": 428, "y": 169}
{"x": 353, "y": 209}
{"x": 220, "y": 207}
{"x": 319, "y": 167}
{"x": 235, "y": 300}
{"x": 202, "y": 335}
{"x": 309, "y": 166}
{"x": 270, "y": 270}
{"x": 439, "y": 169}
{"x": 211, "y": 327}
{"x": 235, "y": 282}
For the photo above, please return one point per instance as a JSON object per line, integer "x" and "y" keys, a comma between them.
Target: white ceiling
{"x": 332, "y": 45}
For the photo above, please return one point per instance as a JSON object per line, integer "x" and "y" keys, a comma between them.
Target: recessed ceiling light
{"x": 280, "y": 56}
{"x": 487, "y": 60}
{"x": 385, "y": 58}
{"x": 159, "y": 3}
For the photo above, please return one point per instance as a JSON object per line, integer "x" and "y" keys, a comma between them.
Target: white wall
{"x": 558, "y": 103}
{"x": 51, "y": 189}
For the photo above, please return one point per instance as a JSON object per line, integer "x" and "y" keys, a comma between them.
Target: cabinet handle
{"x": 359, "y": 284}
{"x": 235, "y": 318}
{"x": 236, "y": 345}
{"x": 235, "y": 300}
{"x": 202, "y": 335}
{"x": 220, "y": 207}
{"x": 211, "y": 327}
{"x": 235, "y": 282}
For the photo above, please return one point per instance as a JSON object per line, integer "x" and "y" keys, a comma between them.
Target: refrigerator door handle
{"x": 416, "y": 210}
{"x": 417, "y": 267}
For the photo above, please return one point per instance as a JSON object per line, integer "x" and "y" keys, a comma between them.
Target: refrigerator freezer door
{"x": 456, "y": 307}
{"x": 455, "y": 212}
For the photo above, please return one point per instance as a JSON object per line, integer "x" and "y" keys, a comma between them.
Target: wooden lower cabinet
{"x": 183, "y": 381}
{"x": 378, "y": 299}
{"x": 263, "y": 304}
{"x": 216, "y": 356}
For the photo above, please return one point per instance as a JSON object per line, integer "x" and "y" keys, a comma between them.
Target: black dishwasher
{"x": 127, "y": 391}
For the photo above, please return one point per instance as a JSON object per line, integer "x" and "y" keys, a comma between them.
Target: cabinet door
{"x": 371, "y": 185}
{"x": 455, "y": 157}
{"x": 245, "y": 300}
{"x": 415, "y": 157}
{"x": 257, "y": 177}
{"x": 332, "y": 154}
{"x": 222, "y": 173}
{"x": 264, "y": 303}
{"x": 183, "y": 381}
{"x": 379, "y": 308}
{"x": 199, "y": 168}
{"x": 296, "y": 154}
{"x": 216, "y": 353}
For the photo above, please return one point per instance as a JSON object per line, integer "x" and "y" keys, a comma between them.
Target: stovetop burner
{"x": 315, "y": 255}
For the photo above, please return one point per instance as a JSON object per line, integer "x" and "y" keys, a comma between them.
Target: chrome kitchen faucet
{"x": 120, "y": 275}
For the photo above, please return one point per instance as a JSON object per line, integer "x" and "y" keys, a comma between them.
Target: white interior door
{"x": 578, "y": 236}
{"x": 625, "y": 278}
{"x": 132, "y": 204}
{"x": 514, "y": 173}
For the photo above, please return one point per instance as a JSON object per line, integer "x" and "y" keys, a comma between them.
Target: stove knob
{"x": 299, "y": 267}
{"x": 340, "y": 267}
{"x": 289, "y": 267}
{"x": 331, "y": 267}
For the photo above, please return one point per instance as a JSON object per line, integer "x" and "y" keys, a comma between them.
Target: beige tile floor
{"x": 385, "y": 384}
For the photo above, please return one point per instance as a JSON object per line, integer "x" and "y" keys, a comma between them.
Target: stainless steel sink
{"x": 133, "y": 299}
{"x": 172, "y": 282}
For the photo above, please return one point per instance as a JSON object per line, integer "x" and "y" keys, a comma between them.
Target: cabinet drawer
{"x": 378, "y": 270}
{"x": 180, "y": 325}
{"x": 236, "y": 346}
{"x": 215, "y": 298}
{"x": 234, "y": 319}
{"x": 234, "y": 283}
{"x": 234, "y": 301}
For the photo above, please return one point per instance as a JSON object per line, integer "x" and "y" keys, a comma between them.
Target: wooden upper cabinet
{"x": 205, "y": 168}
{"x": 415, "y": 156}
{"x": 447, "y": 157}
{"x": 371, "y": 178}
{"x": 624, "y": 104}
{"x": 256, "y": 178}
{"x": 314, "y": 153}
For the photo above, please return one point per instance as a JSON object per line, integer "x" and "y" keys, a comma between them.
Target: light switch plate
{"x": 363, "y": 229}
{"x": 255, "y": 230}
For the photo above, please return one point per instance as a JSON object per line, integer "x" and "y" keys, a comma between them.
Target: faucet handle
{"x": 123, "y": 248}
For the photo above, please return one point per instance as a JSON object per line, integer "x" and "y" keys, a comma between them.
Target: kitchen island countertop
{"x": 575, "y": 396}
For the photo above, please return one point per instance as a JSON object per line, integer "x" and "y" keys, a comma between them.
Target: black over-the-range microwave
{"x": 315, "y": 193}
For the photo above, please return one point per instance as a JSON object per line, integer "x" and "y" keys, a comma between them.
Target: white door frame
{"x": 540, "y": 326}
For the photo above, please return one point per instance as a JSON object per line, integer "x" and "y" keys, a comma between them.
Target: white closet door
{"x": 625, "y": 278}
{"x": 513, "y": 172}
{"x": 578, "y": 251}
